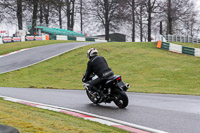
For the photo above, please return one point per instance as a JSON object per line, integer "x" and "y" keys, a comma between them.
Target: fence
{"x": 184, "y": 39}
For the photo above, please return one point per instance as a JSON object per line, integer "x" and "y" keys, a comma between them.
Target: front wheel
{"x": 93, "y": 96}
{"x": 120, "y": 98}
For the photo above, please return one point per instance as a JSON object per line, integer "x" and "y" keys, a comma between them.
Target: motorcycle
{"x": 114, "y": 89}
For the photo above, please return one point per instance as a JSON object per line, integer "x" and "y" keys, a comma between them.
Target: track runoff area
{"x": 133, "y": 128}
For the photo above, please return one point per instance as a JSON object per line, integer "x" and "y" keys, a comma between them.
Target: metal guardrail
{"x": 179, "y": 48}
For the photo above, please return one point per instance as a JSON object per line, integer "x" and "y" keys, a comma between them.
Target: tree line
{"x": 143, "y": 17}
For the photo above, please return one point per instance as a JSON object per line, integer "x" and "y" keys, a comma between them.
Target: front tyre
{"x": 120, "y": 98}
{"x": 93, "y": 96}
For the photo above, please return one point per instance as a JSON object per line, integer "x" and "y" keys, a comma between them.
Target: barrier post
{"x": 159, "y": 44}
{"x": 47, "y": 37}
{"x": 23, "y": 38}
{"x": 1, "y": 42}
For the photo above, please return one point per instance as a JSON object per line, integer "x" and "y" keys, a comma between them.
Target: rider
{"x": 98, "y": 66}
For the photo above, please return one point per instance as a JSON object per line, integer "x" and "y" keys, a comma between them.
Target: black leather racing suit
{"x": 99, "y": 67}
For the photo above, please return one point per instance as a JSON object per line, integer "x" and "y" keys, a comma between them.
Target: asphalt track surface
{"x": 170, "y": 113}
{"x": 37, "y": 54}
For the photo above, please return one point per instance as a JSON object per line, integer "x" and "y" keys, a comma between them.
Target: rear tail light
{"x": 118, "y": 79}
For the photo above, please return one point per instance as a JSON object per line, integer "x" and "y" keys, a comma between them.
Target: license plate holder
{"x": 120, "y": 84}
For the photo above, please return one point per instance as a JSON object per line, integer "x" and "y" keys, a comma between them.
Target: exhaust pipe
{"x": 125, "y": 88}
{"x": 127, "y": 85}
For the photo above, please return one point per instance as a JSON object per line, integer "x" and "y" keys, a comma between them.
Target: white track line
{"x": 4, "y": 55}
{"x": 88, "y": 116}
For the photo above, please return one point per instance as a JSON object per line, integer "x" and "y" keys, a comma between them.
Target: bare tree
{"x": 81, "y": 15}
{"x": 169, "y": 17}
{"x": 58, "y": 5}
{"x": 19, "y": 14}
{"x": 70, "y": 7}
{"x": 191, "y": 23}
{"x": 178, "y": 14}
{"x": 133, "y": 19}
{"x": 140, "y": 13}
{"x": 150, "y": 7}
{"x": 46, "y": 10}
{"x": 108, "y": 13}
{"x": 35, "y": 12}
{"x": 10, "y": 7}
{"x": 132, "y": 13}
{"x": 41, "y": 13}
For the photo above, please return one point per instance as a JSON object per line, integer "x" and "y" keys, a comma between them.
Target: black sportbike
{"x": 113, "y": 89}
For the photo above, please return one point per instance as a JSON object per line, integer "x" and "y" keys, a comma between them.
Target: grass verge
{"x": 33, "y": 120}
{"x": 10, "y": 47}
{"x": 192, "y": 45}
{"x": 145, "y": 67}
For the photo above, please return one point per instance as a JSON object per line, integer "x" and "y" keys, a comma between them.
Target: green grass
{"x": 10, "y": 47}
{"x": 192, "y": 45}
{"x": 33, "y": 120}
{"x": 145, "y": 67}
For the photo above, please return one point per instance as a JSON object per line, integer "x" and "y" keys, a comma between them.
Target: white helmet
{"x": 92, "y": 52}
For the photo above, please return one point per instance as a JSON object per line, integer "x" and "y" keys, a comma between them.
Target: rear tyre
{"x": 93, "y": 96}
{"x": 120, "y": 98}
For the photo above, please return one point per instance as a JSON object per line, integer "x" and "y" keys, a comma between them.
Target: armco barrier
{"x": 7, "y": 40}
{"x": 98, "y": 40}
{"x": 71, "y": 38}
{"x": 52, "y": 37}
{"x": 12, "y": 39}
{"x": 165, "y": 45}
{"x": 179, "y": 48}
{"x": 197, "y": 52}
{"x": 16, "y": 39}
{"x": 47, "y": 37}
{"x": 187, "y": 50}
{"x": 62, "y": 37}
{"x": 30, "y": 38}
{"x": 80, "y": 39}
{"x": 37, "y": 38}
{"x": 59, "y": 37}
{"x": 175, "y": 48}
{"x": 90, "y": 39}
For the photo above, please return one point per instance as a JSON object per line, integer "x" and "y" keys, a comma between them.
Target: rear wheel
{"x": 93, "y": 96}
{"x": 120, "y": 98}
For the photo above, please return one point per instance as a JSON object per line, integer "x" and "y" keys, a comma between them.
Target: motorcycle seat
{"x": 112, "y": 78}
